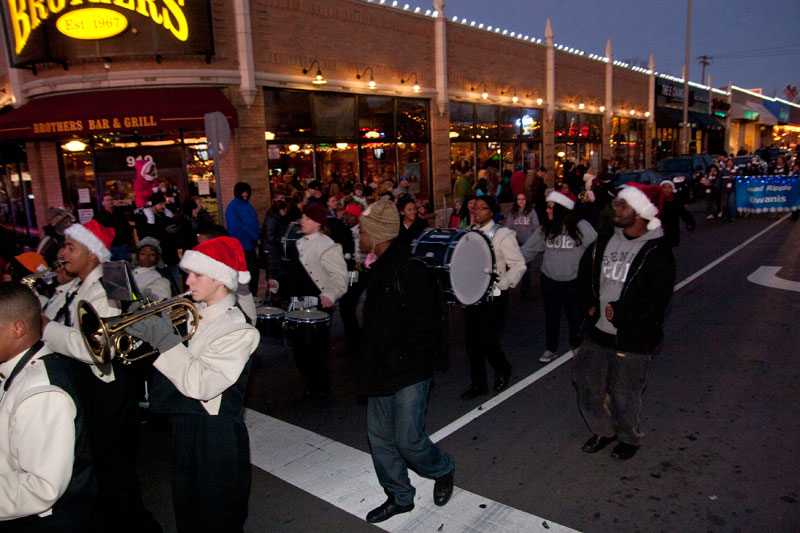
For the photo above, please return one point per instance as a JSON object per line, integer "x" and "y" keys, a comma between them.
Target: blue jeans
{"x": 397, "y": 440}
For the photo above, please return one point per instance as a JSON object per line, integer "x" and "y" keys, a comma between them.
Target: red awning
{"x": 129, "y": 110}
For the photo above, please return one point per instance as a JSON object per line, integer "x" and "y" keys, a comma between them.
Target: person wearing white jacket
{"x": 318, "y": 274}
{"x": 484, "y": 321}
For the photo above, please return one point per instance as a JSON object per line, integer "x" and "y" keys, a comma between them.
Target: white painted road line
{"x": 768, "y": 277}
{"x": 454, "y": 426}
{"x": 711, "y": 265}
{"x": 344, "y": 477}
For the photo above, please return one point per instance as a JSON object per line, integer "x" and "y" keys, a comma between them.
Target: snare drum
{"x": 308, "y": 329}
{"x": 464, "y": 258}
{"x": 270, "y": 321}
{"x": 289, "y": 241}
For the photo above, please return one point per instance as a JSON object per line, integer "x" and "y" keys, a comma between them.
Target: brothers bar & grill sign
{"x": 61, "y": 30}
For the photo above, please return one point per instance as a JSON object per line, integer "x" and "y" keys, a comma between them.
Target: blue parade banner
{"x": 767, "y": 194}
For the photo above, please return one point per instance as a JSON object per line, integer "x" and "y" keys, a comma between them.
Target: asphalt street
{"x": 720, "y": 419}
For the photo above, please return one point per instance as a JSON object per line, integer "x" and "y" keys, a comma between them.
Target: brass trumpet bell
{"x": 106, "y": 337}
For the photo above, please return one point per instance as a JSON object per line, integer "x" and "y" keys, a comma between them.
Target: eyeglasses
{"x": 481, "y": 208}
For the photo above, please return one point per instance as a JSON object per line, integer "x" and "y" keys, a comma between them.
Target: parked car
{"x": 742, "y": 161}
{"x": 685, "y": 172}
{"x": 645, "y": 177}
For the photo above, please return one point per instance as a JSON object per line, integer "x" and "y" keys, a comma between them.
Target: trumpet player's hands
{"x": 155, "y": 330}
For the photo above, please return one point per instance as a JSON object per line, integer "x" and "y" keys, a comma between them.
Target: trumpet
{"x": 106, "y": 336}
{"x": 31, "y": 279}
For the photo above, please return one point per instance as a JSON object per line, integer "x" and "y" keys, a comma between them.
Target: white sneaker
{"x": 569, "y": 354}
{"x": 547, "y": 356}
{"x": 709, "y": 217}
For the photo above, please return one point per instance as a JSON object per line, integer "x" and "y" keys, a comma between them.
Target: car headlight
{"x": 678, "y": 179}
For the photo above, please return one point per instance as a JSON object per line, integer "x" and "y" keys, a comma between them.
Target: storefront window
{"x": 288, "y": 114}
{"x": 337, "y": 162}
{"x": 462, "y": 121}
{"x": 378, "y": 160}
{"x": 334, "y": 116}
{"x": 412, "y": 119}
{"x": 413, "y": 164}
{"x": 351, "y": 138}
{"x": 486, "y": 126}
{"x": 17, "y": 214}
{"x": 462, "y": 159}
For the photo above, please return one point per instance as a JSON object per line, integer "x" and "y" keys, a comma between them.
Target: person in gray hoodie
{"x": 626, "y": 280}
{"x": 563, "y": 238}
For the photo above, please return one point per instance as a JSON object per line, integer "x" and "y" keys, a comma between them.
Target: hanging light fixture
{"x": 318, "y": 79}
{"x": 415, "y": 87}
{"x": 514, "y": 98}
{"x": 74, "y": 146}
{"x": 372, "y": 85}
{"x": 484, "y": 94}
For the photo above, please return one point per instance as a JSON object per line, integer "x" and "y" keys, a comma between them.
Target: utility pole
{"x": 685, "y": 129}
{"x": 705, "y": 61}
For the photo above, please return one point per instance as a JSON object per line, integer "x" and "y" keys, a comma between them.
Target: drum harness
{"x": 490, "y": 234}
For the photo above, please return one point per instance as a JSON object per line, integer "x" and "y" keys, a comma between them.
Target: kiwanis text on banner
{"x": 767, "y": 194}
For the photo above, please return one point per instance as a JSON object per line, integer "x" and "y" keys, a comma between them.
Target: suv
{"x": 685, "y": 172}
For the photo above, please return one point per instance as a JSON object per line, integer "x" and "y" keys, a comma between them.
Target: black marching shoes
{"x": 624, "y": 451}
{"x": 387, "y": 510}
{"x": 597, "y": 443}
{"x": 443, "y": 488}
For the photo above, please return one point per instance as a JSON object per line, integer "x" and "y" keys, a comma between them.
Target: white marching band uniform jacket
{"x": 151, "y": 279}
{"x": 37, "y": 440}
{"x": 58, "y": 298}
{"x": 508, "y": 258}
{"x": 215, "y": 356}
{"x": 323, "y": 260}
{"x": 69, "y": 340}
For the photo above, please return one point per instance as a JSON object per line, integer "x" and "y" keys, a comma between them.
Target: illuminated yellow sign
{"x": 25, "y": 16}
{"x": 92, "y": 23}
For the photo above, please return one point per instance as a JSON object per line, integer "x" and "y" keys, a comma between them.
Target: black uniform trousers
{"x": 211, "y": 472}
{"x": 484, "y": 324}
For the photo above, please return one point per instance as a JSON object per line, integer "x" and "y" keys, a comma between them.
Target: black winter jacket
{"x": 401, "y": 321}
{"x": 639, "y": 312}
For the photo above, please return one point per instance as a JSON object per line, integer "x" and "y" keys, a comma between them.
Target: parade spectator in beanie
{"x": 314, "y": 193}
{"x": 242, "y": 222}
{"x": 400, "y": 336}
{"x": 157, "y": 222}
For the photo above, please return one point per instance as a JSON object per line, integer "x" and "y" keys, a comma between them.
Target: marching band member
{"x": 109, "y": 392}
{"x": 202, "y": 385}
{"x": 66, "y": 286}
{"x": 320, "y": 272}
{"x": 45, "y": 464}
{"x": 148, "y": 258}
{"x": 484, "y": 321}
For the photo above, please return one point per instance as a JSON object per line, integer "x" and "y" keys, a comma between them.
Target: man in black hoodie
{"x": 626, "y": 280}
{"x": 399, "y": 338}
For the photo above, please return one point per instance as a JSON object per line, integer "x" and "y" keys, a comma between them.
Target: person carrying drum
{"x": 318, "y": 277}
{"x": 484, "y": 321}
{"x": 202, "y": 384}
{"x": 401, "y": 321}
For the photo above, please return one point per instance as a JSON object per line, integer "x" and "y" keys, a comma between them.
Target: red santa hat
{"x": 146, "y": 169}
{"x": 94, "y": 236}
{"x": 646, "y": 200}
{"x": 354, "y": 209}
{"x": 565, "y": 198}
{"x": 221, "y": 258}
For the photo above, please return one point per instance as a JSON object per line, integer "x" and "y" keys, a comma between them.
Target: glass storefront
{"x": 494, "y": 137}
{"x": 107, "y": 165}
{"x": 578, "y": 138}
{"x": 627, "y": 142}
{"x": 17, "y": 213}
{"x": 341, "y": 139}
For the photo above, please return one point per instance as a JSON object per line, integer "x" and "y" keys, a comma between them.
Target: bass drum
{"x": 270, "y": 321}
{"x": 308, "y": 329}
{"x": 289, "y": 241}
{"x": 464, "y": 258}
